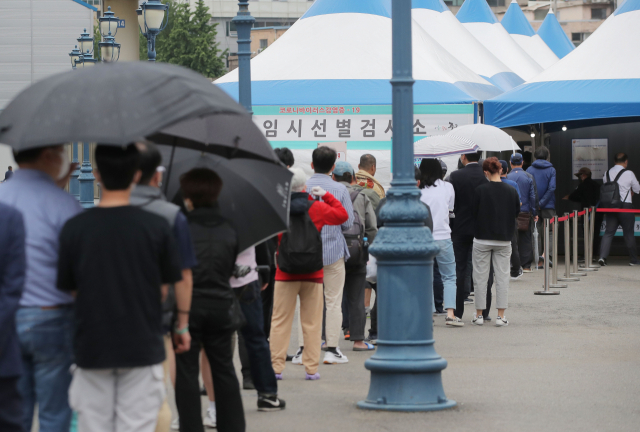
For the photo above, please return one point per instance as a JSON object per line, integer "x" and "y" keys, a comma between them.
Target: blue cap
{"x": 505, "y": 167}
{"x": 516, "y": 159}
{"x": 343, "y": 167}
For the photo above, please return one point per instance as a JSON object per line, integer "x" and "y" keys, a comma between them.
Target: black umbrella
{"x": 255, "y": 195}
{"x": 115, "y": 103}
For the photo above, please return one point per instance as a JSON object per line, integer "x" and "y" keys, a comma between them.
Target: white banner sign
{"x": 590, "y": 153}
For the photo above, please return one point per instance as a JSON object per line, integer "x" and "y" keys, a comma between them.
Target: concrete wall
{"x": 36, "y": 37}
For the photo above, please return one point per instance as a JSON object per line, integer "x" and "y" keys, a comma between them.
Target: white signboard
{"x": 339, "y": 147}
{"x": 590, "y": 153}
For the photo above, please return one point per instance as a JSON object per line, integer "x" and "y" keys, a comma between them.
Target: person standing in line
{"x": 148, "y": 196}
{"x": 353, "y": 308}
{"x": 465, "y": 181}
{"x": 516, "y": 268}
{"x": 215, "y": 313}
{"x": 495, "y": 207}
{"x": 304, "y": 278}
{"x": 627, "y": 185}
{"x": 117, "y": 260}
{"x": 366, "y": 171}
{"x": 9, "y": 173}
{"x": 45, "y": 317}
{"x": 545, "y": 177}
{"x": 526, "y": 187}
{"x": 334, "y": 250}
{"x": 12, "y": 276}
{"x": 588, "y": 194}
{"x": 438, "y": 286}
{"x": 440, "y": 197}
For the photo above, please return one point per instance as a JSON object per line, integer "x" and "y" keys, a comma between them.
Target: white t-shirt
{"x": 247, "y": 258}
{"x": 440, "y": 198}
{"x": 626, "y": 181}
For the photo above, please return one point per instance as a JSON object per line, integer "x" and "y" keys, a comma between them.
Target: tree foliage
{"x": 189, "y": 40}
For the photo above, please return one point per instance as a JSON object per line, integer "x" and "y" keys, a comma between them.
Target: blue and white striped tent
{"x": 339, "y": 52}
{"x": 517, "y": 25}
{"x": 599, "y": 79}
{"x": 552, "y": 34}
{"x": 479, "y": 19}
{"x": 436, "y": 19}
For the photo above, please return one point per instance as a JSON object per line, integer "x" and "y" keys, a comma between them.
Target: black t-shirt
{"x": 495, "y": 208}
{"x": 116, "y": 259}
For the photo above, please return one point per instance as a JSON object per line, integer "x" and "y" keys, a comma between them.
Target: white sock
{"x": 212, "y": 407}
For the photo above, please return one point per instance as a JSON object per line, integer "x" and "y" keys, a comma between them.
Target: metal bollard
{"x": 546, "y": 287}
{"x": 587, "y": 243}
{"x": 567, "y": 253}
{"x": 592, "y": 233}
{"x": 575, "y": 245}
{"x": 554, "y": 271}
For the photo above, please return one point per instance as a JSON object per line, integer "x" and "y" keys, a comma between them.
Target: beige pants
{"x": 334, "y": 275}
{"x": 284, "y": 306}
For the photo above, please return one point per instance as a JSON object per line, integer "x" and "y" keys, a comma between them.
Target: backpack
{"x": 610, "y": 192}
{"x": 300, "y": 250}
{"x": 355, "y": 239}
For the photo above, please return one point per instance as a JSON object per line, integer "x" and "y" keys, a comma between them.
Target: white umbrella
{"x": 486, "y": 137}
{"x": 443, "y": 145}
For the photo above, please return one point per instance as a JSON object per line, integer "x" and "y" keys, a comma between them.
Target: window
{"x": 598, "y": 13}
{"x": 231, "y": 29}
{"x": 453, "y": 2}
{"x": 540, "y": 14}
{"x": 578, "y": 38}
{"x": 264, "y": 43}
{"x": 496, "y": 3}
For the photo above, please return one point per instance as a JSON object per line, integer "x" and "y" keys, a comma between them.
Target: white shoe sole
{"x": 477, "y": 323}
{"x": 501, "y": 324}
{"x": 335, "y": 361}
{"x": 297, "y": 361}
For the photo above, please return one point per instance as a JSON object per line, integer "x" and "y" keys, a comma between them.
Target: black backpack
{"x": 610, "y": 192}
{"x": 300, "y": 250}
{"x": 355, "y": 239}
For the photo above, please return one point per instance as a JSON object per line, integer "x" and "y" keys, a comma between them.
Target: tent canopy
{"x": 479, "y": 19}
{"x": 517, "y": 25}
{"x": 339, "y": 52}
{"x": 435, "y": 18}
{"x": 552, "y": 34}
{"x": 600, "y": 79}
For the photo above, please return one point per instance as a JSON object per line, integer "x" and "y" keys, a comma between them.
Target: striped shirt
{"x": 334, "y": 246}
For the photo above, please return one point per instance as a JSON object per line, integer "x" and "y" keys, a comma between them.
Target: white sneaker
{"x": 210, "y": 419}
{"x": 477, "y": 320}
{"x": 335, "y": 358}
{"x": 297, "y": 359}
{"x": 175, "y": 424}
{"x": 455, "y": 322}
{"x": 501, "y": 322}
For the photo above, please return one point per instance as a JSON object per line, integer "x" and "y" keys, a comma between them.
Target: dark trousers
{"x": 463, "y": 250}
{"x": 210, "y": 328}
{"x": 258, "y": 351}
{"x": 545, "y": 214}
{"x": 525, "y": 247}
{"x": 11, "y": 408}
{"x": 597, "y": 238}
{"x": 267, "y": 302}
{"x": 354, "y": 316}
{"x": 627, "y": 221}
{"x": 438, "y": 288}
{"x": 515, "y": 253}
{"x": 373, "y": 330}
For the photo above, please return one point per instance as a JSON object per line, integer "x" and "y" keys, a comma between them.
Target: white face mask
{"x": 64, "y": 165}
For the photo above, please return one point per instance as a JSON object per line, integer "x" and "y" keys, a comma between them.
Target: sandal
{"x": 369, "y": 347}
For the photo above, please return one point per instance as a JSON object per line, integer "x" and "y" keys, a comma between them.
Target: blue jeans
{"x": 447, "y": 265}
{"x": 46, "y": 340}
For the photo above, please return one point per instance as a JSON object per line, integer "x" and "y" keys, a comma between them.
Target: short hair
{"x": 417, "y": 174}
{"x": 492, "y": 165}
{"x": 473, "y": 157}
{"x": 117, "y": 165}
{"x": 28, "y": 156}
{"x": 10, "y": 167}
{"x": 431, "y": 171}
{"x": 323, "y": 158}
{"x": 346, "y": 177}
{"x": 542, "y": 153}
{"x": 367, "y": 161}
{"x": 285, "y": 155}
{"x": 150, "y": 160}
{"x": 202, "y": 186}
{"x": 620, "y": 157}
{"x": 299, "y": 180}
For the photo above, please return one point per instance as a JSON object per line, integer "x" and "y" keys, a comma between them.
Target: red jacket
{"x": 329, "y": 212}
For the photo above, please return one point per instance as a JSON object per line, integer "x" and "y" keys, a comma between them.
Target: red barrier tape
{"x": 563, "y": 218}
{"x": 618, "y": 210}
{"x": 570, "y": 215}
{"x": 581, "y": 213}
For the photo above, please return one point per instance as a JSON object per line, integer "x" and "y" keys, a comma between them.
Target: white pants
{"x": 117, "y": 400}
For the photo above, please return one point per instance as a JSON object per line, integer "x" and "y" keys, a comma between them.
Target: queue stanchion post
{"x": 567, "y": 252}
{"x": 546, "y": 290}
{"x": 587, "y": 243}
{"x": 575, "y": 245}
{"x": 592, "y": 234}
{"x": 554, "y": 271}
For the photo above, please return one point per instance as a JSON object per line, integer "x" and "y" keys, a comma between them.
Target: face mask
{"x": 64, "y": 165}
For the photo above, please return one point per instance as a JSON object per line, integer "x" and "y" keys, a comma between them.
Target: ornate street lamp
{"x": 108, "y": 23}
{"x": 109, "y": 49}
{"x": 86, "y": 60}
{"x": 405, "y": 369}
{"x": 74, "y": 55}
{"x": 152, "y": 19}
{"x": 243, "y": 22}
{"x": 86, "y": 42}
